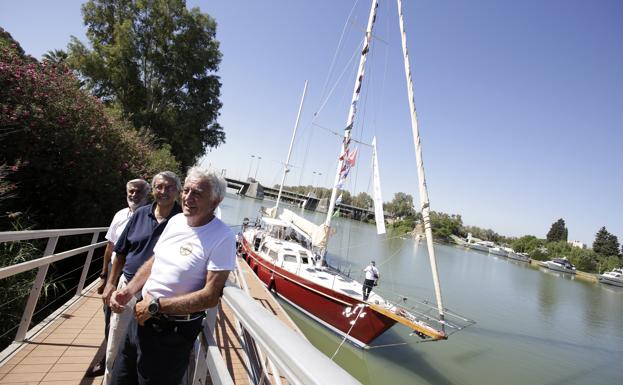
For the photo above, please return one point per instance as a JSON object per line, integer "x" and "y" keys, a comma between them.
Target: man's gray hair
{"x": 142, "y": 183}
{"x": 217, "y": 183}
{"x": 169, "y": 175}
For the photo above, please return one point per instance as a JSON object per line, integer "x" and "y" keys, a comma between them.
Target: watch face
{"x": 153, "y": 307}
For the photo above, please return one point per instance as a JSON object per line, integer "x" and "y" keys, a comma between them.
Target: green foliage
{"x": 609, "y": 263}
{"x": 68, "y": 155}
{"x": 444, "y": 225}
{"x": 484, "y": 234}
{"x": 155, "y": 59}
{"x": 527, "y": 244}
{"x": 401, "y": 206}
{"x": 558, "y": 231}
{"x": 401, "y": 226}
{"x": 606, "y": 244}
{"x": 363, "y": 200}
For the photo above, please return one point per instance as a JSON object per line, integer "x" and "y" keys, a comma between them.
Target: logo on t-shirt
{"x": 186, "y": 249}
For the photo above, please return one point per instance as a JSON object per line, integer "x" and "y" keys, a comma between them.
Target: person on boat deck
{"x": 184, "y": 277}
{"x": 136, "y": 196}
{"x": 133, "y": 248}
{"x": 372, "y": 275}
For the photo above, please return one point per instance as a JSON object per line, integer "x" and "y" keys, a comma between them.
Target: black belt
{"x": 181, "y": 318}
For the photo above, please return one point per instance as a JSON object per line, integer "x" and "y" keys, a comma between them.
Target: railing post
{"x": 87, "y": 264}
{"x": 35, "y": 292}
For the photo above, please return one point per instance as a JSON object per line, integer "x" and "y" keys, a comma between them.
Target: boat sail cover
{"x": 319, "y": 234}
{"x": 378, "y": 198}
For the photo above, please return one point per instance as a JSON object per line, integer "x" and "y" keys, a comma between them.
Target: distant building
{"x": 578, "y": 244}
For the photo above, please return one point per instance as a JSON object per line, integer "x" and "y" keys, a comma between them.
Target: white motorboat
{"x": 482, "y": 246}
{"x": 561, "y": 264}
{"x": 614, "y": 277}
{"x": 501, "y": 251}
{"x": 523, "y": 257}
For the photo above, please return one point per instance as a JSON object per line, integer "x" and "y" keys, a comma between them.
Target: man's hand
{"x": 100, "y": 288}
{"x": 140, "y": 310}
{"x": 107, "y": 293}
{"x": 119, "y": 299}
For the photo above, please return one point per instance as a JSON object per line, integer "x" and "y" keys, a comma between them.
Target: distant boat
{"x": 501, "y": 251}
{"x": 482, "y": 246}
{"x": 523, "y": 257}
{"x": 614, "y": 277}
{"x": 561, "y": 264}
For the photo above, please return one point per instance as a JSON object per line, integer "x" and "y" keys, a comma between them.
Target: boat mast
{"x": 353, "y": 110}
{"x": 424, "y": 203}
{"x": 285, "y": 167}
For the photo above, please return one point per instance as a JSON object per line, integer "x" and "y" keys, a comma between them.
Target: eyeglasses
{"x": 165, "y": 188}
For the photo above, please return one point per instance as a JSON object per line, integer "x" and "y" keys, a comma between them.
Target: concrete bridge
{"x": 256, "y": 190}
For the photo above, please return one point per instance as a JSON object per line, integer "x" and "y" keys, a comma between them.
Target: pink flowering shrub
{"x": 67, "y": 154}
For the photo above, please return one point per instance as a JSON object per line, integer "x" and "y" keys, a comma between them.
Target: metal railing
{"x": 43, "y": 263}
{"x": 272, "y": 348}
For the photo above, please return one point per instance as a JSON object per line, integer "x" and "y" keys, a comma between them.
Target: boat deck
{"x": 71, "y": 340}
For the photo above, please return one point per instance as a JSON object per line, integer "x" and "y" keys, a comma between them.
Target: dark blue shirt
{"x": 140, "y": 236}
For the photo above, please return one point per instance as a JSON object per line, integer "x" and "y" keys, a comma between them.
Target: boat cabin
{"x": 563, "y": 262}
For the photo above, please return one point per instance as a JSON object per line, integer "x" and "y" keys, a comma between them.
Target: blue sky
{"x": 519, "y": 103}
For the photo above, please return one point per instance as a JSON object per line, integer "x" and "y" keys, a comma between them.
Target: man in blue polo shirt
{"x": 133, "y": 248}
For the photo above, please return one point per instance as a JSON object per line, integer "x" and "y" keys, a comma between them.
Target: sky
{"x": 519, "y": 102}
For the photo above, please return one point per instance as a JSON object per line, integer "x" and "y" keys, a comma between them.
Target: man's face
{"x": 197, "y": 201}
{"x": 165, "y": 191}
{"x": 135, "y": 196}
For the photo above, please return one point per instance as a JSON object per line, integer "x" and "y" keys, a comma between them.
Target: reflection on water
{"x": 533, "y": 326}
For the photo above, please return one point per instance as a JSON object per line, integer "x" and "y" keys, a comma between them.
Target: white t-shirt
{"x": 370, "y": 272}
{"x": 119, "y": 221}
{"x": 184, "y": 254}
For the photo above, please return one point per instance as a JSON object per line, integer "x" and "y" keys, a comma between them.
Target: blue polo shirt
{"x": 140, "y": 236}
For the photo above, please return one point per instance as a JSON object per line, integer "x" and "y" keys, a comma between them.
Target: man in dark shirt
{"x": 133, "y": 248}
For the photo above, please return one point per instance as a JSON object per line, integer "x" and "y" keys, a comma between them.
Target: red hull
{"x": 333, "y": 308}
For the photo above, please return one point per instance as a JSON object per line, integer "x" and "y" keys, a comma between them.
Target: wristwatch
{"x": 154, "y": 306}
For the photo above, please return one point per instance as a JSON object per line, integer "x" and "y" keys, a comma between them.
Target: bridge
{"x": 255, "y": 190}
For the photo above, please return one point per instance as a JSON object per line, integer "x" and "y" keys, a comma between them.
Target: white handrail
{"x": 299, "y": 361}
{"x": 43, "y": 263}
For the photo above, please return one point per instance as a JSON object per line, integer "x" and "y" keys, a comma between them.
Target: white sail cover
{"x": 318, "y": 234}
{"x": 378, "y": 198}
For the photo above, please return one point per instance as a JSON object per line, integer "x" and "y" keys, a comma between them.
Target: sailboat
{"x": 287, "y": 252}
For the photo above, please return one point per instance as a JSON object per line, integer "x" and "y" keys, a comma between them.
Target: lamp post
{"x": 257, "y": 167}
{"x": 314, "y": 180}
{"x": 250, "y": 165}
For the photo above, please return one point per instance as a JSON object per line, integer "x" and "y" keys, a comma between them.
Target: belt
{"x": 181, "y": 318}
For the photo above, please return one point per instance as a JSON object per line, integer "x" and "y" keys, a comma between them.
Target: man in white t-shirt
{"x": 137, "y": 191}
{"x": 191, "y": 262}
{"x": 372, "y": 275}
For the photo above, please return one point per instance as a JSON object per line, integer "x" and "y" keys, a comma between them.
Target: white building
{"x": 578, "y": 244}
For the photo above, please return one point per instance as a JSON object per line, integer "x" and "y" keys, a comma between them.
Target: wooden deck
{"x": 69, "y": 342}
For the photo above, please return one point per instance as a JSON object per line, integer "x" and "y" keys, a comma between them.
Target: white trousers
{"x": 117, "y": 331}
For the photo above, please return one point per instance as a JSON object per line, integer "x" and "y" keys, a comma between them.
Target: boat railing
{"x": 42, "y": 264}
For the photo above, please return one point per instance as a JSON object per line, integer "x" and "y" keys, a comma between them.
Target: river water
{"x": 533, "y": 326}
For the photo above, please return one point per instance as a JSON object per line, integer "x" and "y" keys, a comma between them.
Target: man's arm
{"x": 113, "y": 278}
{"x": 199, "y": 300}
{"x": 121, "y": 297}
{"x": 106, "y": 261}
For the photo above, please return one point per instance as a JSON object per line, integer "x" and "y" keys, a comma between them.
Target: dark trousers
{"x": 367, "y": 288}
{"x": 156, "y": 353}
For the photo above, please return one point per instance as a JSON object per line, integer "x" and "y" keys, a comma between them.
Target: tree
{"x": 363, "y": 200}
{"x": 606, "y": 244}
{"x": 558, "y": 231}
{"x": 155, "y": 60}
{"x": 401, "y": 205}
{"x": 444, "y": 225}
{"x": 527, "y": 244}
{"x": 57, "y": 56}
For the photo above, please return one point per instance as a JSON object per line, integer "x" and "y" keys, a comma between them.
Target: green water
{"x": 533, "y": 326}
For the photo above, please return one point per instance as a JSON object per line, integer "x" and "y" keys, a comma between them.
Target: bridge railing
{"x": 43, "y": 263}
